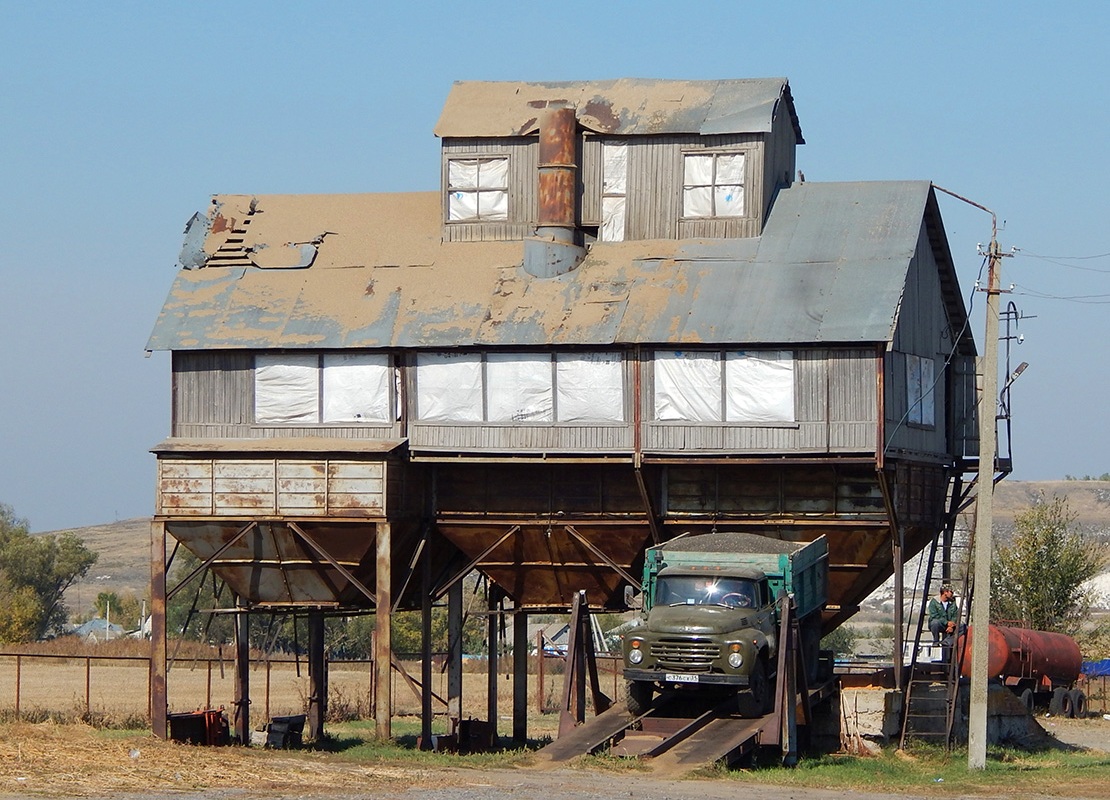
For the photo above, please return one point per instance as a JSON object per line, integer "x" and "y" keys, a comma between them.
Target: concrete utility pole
{"x": 984, "y": 510}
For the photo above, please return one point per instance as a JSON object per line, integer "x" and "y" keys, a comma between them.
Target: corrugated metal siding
{"x": 780, "y": 157}
{"x": 213, "y": 398}
{"x": 523, "y": 156}
{"x": 536, "y": 439}
{"x": 265, "y": 487}
{"x": 836, "y": 408}
{"x": 590, "y": 178}
{"x": 922, "y": 329}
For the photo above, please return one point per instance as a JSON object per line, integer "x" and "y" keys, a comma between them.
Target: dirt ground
{"x": 64, "y": 761}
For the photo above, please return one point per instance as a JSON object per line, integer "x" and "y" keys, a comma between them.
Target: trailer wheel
{"x": 1078, "y": 703}
{"x": 1056, "y": 703}
{"x": 1026, "y": 697}
{"x": 640, "y": 694}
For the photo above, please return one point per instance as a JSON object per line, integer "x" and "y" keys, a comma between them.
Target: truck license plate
{"x": 680, "y": 678}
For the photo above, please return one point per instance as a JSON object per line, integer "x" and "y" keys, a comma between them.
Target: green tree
{"x": 124, "y": 611}
{"x": 38, "y": 568}
{"x": 1038, "y": 578}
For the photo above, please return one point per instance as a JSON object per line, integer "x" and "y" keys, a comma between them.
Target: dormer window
{"x": 477, "y": 189}
{"x": 713, "y": 185}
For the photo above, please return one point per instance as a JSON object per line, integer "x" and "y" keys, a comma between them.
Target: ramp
{"x": 590, "y": 737}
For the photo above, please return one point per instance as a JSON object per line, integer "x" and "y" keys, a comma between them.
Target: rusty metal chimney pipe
{"x": 557, "y": 174}
{"x": 553, "y": 250}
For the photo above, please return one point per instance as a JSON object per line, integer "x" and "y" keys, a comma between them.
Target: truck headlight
{"x": 735, "y": 658}
{"x": 635, "y": 654}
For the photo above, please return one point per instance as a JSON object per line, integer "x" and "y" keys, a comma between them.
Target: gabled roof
{"x": 830, "y": 267}
{"x": 628, "y": 106}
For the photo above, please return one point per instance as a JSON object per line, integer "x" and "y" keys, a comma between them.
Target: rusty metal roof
{"x": 830, "y": 267}
{"x": 619, "y": 107}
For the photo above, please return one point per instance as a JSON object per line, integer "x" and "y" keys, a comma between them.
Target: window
{"x": 614, "y": 190}
{"x": 477, "y": 189}
{"x": 713, "y": 185}
{"x": 332, "y": 388}
{"x": 519, "y": 387}
{"x": 919, "y": 391}
{"x": 742, "y": 386}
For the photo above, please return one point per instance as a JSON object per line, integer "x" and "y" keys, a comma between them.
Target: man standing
{"x": 943, "y": 614}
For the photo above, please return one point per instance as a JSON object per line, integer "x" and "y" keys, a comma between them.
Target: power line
{"x": 1053, "y": 260}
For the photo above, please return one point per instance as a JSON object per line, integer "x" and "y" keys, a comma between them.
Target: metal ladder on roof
{"x": 931, "y": 688}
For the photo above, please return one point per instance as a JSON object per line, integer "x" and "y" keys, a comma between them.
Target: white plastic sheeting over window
{"x": 688, "y": 386}
{"x": 590, "y": 387}
{"x": 752, "y": 386}
{"x": 478, "y": 189}
{"x": 356, "y": 388}
{"x": 286, "y": 388}
{"x": 519, "y": 387}
{"x": 713, "y": 185}
{"x": 759, "y": 386}
{"x": 449, "y": 387}
{"x": 919, "y": 390}
{"x": 307, "y": 389}
{"x": 614, "y": 190}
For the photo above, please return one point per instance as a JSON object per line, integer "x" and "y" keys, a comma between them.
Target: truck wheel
{"x": 639, "y": 697}
{"x": 1026, "y": 697}
{"x": 1078, "y": 704}
{"x": 1056, "y": 703}
{"x": 755, "y": 701}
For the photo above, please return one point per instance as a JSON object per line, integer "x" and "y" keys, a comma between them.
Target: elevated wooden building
{"x": 619, "y": 320}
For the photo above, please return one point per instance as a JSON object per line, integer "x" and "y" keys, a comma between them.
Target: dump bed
{"x": 798, "y": 568}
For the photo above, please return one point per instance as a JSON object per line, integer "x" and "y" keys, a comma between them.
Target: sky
{"x": 120, "y": 120}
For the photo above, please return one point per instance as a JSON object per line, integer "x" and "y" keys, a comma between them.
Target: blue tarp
{"x": 1095, "y": 669}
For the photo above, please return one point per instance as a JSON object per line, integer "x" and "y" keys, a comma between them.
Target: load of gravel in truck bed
{"x": 732, "y": 543}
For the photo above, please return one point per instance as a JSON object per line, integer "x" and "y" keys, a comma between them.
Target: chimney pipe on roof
{"x": 554, "y": 251}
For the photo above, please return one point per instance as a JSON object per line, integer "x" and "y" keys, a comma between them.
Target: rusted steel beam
{"x": 593, "y": 549}
{"x": 652, "y": 521}
{"x": 474, "y": 562}
{"x": 412, "y": 569}
{"x": 342, "y": 570}
{"x": 317, "y": 676}
{"x": 425, "y": 645}
{"x": 208, "y": 561}
{"x": 520, "y": 676}
{"x": 242, "y": 722}
{"x": 159, "y": 704}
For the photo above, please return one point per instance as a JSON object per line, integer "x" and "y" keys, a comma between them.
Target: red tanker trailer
{"x": 1040, "y": 667}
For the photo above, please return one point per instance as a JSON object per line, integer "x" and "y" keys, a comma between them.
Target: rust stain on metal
{"x": 220, "y": 223}
{"x": 602, "y": 111}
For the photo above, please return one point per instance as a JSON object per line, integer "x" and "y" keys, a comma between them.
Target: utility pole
{"x": 984, "y": 517}
{"x": 984, "y": 504}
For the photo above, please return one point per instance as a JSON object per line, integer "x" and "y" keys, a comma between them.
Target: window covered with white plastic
{"x": 477, "y": 189}
{"x": 740, "y": 386}
{"x": 312, "y": 388}
{"x": 713, "y": 185}
{"x": 614, "y": 190}
{"x": 520, "y": 387}
{"x": 920, "y": 382}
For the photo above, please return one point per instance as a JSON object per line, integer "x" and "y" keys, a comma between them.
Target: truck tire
{"x": 640, "y": 695}
{"x": 1078, "y": 702}
{"x": 1026, "y": 697}
{"x": 1056, "y": 703}
{"x": 755, "y": 701}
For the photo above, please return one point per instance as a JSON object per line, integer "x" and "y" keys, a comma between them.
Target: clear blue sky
{"x": 120, "y": 120}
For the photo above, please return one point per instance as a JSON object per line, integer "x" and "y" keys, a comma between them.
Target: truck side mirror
{"x": 631, "y": 599}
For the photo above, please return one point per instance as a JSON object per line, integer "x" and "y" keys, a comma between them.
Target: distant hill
{"x": 124, "y": 547}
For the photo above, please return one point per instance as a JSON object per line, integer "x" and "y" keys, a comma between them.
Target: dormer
{"x": 652, "y": 159}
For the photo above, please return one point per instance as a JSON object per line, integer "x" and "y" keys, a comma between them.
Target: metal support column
{"x": 520, "y": 676}
{"x": 454, "y": 654}
{"x": 493, "y": 595}
{"x": 158, "y": 696}
{"x": 242, "y": 723}
{"x": 426, "y": 652}
{"x": 383, "y": 684}
{"x": 317, "y": 676}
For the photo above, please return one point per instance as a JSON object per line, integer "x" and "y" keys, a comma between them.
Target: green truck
{"x": 712, "y": 606}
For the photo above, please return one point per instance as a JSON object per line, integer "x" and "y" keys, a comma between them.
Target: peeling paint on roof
{"x": 830, "y": 267}
{"x": 619, "y": 107}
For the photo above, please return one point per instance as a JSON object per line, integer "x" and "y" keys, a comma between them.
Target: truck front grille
{"x": 685, "y": 655}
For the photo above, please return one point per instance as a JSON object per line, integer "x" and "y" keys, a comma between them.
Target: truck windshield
{"x": 691, "y": 590}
